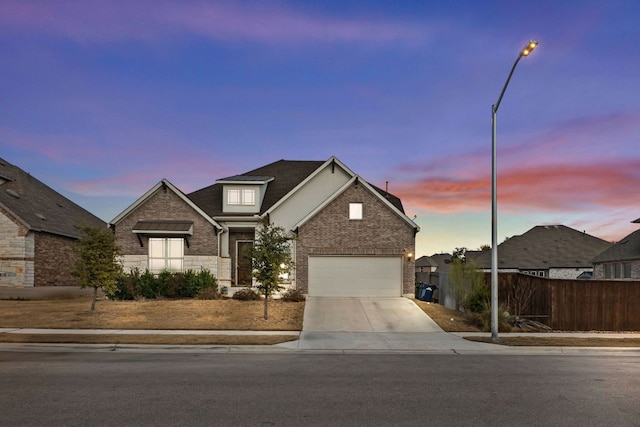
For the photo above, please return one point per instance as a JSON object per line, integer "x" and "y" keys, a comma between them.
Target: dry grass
{"x": 449, "y": 320}
{"x": 212, "y": 315}
{"x": 456, "y": 321}
{"x": 165, "y": 314}
{"x": 147, "y": 339}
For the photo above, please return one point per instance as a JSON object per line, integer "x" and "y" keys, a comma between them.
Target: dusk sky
{"x": 102, "y": 99}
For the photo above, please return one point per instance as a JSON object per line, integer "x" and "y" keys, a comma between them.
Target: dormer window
{"x": 241, "y": 197}
{"x": 243, "y": 194}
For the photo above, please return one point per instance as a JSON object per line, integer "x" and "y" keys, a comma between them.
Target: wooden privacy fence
{"x": 575, "y": 305}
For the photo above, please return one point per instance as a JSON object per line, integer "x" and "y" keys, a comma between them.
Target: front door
{"x": 243, "y": 264}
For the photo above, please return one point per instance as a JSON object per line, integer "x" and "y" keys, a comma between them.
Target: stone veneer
{"x": 380, "y": 232}
{"x": 17, "y": 251}
{"x": 566, "y": 273}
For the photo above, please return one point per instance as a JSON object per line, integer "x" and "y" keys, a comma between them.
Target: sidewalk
{"x": 307, "y": 341}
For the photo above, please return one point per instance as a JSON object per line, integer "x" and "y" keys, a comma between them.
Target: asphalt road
{"x": 139, "y": 388}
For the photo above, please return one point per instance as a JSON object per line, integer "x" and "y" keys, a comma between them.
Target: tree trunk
{"x": 266, "y": 312}
{"x": 95, "y": 297}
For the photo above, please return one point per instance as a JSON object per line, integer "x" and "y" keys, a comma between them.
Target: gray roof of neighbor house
{"x": 544, "y": 247}
{"x": 425, "y": 261}
{"x": 628, "y": 248}
{"x": 442, "y": 260}
{"x": 286, "y": 174}
{"x": 39, "y": 207}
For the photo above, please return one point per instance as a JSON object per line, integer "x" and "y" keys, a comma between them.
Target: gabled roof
{"x": 38, "y": 207}
{"x": 544, "y": 247}
{"x": 285, "y": 176}
{"x": 166, "y": 184}
{"x": 628, "y": 248}
{"x": 371, "y": 189}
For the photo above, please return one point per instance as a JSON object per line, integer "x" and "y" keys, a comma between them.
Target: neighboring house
{"x": 351, "y": 238}
{"x": 442, "y": 261}
{"x": 425, "y": 264}
{"x": 620, "y": 261}
{"x": 38, "y": 228}
{"x": 553, "y": 251}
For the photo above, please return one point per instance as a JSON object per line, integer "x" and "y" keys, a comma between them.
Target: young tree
{"x": 467, "y": 284}
{"x": 97, "y": 264}
{"x": 270, "y": 259}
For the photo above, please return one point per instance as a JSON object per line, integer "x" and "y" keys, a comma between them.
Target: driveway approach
{"x": 373, "y": 324}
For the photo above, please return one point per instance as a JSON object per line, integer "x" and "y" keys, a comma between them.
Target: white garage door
{"x": 355, "y": 276}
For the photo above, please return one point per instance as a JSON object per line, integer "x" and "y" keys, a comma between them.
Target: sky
{"x": 102, "y": 99}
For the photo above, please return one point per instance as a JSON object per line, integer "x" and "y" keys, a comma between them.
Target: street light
{"x": 494, "y": 198}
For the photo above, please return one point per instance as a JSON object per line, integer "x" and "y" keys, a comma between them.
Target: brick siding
{"x": 54, "y": 260}
{"x": 164, "y": 204}
{"x": 380, "y": 232}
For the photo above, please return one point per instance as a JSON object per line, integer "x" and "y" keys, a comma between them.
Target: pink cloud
{"x": 264, "y": 22}
{"x": 560, "y": 188}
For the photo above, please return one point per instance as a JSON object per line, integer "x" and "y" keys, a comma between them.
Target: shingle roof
{"x": 442, "y": 260}
{"x": 38, "y": 206}
{"x": 286, "y": 174}
{"x": 425, "y": 261}
{"x": 628, "y": 248}
{"x": 544, "y": 247}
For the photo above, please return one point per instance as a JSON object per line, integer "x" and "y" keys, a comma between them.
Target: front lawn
{"x": 156, "y": 314}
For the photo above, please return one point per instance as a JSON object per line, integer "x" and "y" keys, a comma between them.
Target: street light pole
{"x": 494, "y": 198}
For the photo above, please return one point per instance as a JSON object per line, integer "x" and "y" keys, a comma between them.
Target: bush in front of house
{"x": 136, "y": 285}
{"x": 292, "y": 295}
{"x": 246, "y": 294}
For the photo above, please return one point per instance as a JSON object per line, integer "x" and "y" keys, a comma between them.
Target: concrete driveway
{"x": 323, "y": 314}
{"x": 374, "y": 324}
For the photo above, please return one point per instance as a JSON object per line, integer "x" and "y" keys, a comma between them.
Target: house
{"x": 425, "y": 264}
{"x": 351, "y": 238}
{"x": 553, "y": 251}
{"x": 620, "y": 261}
{"x": 38, "y": 227}
{"x": 442, "y": 261}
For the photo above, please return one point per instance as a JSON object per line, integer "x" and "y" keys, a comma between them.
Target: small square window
{"x": 355, "y": 210}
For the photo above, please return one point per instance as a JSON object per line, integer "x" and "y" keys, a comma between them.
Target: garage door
{"x": 354, "y": 276}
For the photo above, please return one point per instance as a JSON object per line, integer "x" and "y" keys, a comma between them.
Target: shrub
{"x": 175, "y": 285}
{"x": 483, "y": 318}
{"x": 478, "y": 298}
{"x": 148, "y": 285}
{"x": 127, "y": 286}
{"x": 189, "y": 284}
{"x": 204, "y": 280}
{"x": 292, "y": 295}
{"x": 246, "y": 294}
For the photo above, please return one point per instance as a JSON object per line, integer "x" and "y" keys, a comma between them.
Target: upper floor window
{"x": 241, "y": 197}
{"x": 355, "y": 210}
